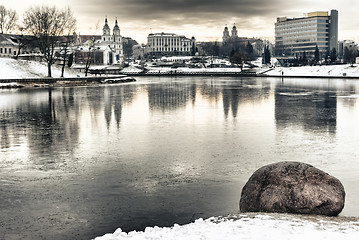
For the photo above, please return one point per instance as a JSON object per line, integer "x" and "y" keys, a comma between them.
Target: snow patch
{"x": 18, "y": 69}
{"x": 250, "y": 226}
{"x": 322, "y": 71}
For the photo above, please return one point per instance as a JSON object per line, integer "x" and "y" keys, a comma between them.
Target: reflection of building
{"x": 169, "y": 96}
{"x": 307, "y": 110}
{"x": 294, "y": 36}
{"x": 170, "y": 44}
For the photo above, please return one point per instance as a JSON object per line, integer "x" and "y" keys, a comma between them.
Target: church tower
{"x": 234, "y": 32}
{"x": 226, "y": 36}
{"x": 106, "y": 37}
{"x": 117, "y": 44}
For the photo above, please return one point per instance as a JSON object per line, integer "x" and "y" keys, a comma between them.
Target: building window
{"x": 14, "y": 53}
{"x": 5, "y": 50}
{"x": 9, "y": 50}
{"x": 0, "y": 50}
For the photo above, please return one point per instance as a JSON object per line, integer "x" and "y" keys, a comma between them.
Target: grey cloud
{"x": 182, "y": 12}
{"x": 198, "y": 10}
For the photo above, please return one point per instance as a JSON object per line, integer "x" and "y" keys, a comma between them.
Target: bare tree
{"x": 87, "y": 55}
{"x": 70, "y": 28}
{"x": 8, "y": 19}
{"x": 47, "y": 24}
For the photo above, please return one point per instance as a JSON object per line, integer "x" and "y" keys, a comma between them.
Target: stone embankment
{"x": 76, "y": 81}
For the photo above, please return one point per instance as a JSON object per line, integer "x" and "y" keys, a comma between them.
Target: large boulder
{"x": 292, "y": 187}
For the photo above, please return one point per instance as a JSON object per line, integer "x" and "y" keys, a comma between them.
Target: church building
{"x": 227, "y": 38}
{"x": 114, "y": 42}
{"x": 106, "y": 49}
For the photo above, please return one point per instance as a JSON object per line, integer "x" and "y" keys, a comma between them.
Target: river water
{"x": 79, "y": 162}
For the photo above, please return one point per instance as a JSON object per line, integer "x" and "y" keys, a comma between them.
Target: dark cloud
{"x": 257, "y": 17}
{"x": 184, "y": 10}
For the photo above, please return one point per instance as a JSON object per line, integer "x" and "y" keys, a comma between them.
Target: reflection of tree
{"x": 210, "y": 90}
{"x": 48, "y": 119}
{"x": 312, "y": 111}
{"x": 51, "y": 119}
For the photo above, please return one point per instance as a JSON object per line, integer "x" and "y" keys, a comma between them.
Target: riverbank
{"x": 251, "y": 226}
{"x": 325, "y": 71}
{"x": 62, "y": 82}
{"x": 30, "y": 71}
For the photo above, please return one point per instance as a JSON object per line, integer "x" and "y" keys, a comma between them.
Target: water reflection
{"x": 310, "y": 109}
{"x": 157, "y": 151}
{"x": 171, "y": 95}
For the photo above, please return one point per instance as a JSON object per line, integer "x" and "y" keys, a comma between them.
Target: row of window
{"x": 312, "y": 27}
{"x": 168, "y": 41}
{"x": 170, "y": 49}
{"x": 288, "y": 44}
{"x": 7, "y": 51}
{"x": 304, "y": 22}
{"x": 300, "y": 36}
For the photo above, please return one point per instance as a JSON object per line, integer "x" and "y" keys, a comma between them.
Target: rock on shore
{"x": 292, "y": 187}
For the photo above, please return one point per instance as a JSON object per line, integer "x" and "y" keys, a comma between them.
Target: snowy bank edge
{"x": 251, "y": 226}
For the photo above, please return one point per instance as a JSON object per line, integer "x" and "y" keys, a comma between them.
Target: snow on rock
{"x": 17, "y": 69}
{"x": 250, "y": 226}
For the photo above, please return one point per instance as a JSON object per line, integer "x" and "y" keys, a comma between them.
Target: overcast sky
{"x": 203, "y": 19}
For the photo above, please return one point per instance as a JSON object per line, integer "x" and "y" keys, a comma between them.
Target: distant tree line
{"x": 328, "y": 57}
{"x": 350, "y": 54}
{"x": 237, "y": 52}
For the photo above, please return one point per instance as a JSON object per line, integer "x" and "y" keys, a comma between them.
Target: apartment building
{"x": 296, "y": 36}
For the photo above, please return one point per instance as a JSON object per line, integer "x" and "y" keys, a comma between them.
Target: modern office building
{"x": 170, "y": 44}
{"x": 294, "y": 36}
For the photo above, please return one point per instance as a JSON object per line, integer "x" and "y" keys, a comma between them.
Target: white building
{"x": 170, "y": 44}
{"x": 9, "y": 45}
{"x": 114, "y": 41}
{"x": 104, "y": 50}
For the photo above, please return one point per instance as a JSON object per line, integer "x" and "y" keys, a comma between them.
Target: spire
{"x": 106, "y": 28}
{"x": 116, "y": 28}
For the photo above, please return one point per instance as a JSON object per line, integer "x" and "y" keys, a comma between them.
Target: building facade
{"x": 170, "y": 44}
{"x": 9, "y": 45}
{"x": 114, "y": 42}
{"x": 106, "y": 49}
{"x": 296, "y": 37}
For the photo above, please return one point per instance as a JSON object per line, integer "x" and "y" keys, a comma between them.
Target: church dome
{"x": 116, "y": 27}
{"x": 106, "y": 27}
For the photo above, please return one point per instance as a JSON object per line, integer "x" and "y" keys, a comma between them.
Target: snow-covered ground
{"x": 323, "y": 71}
{"x": 193, "y": 70}
{"x": 250, "y": 226}
{"x": 17, "y": 69}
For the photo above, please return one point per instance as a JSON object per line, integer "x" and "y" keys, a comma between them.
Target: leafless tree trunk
{"x": 71, "y": 26}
